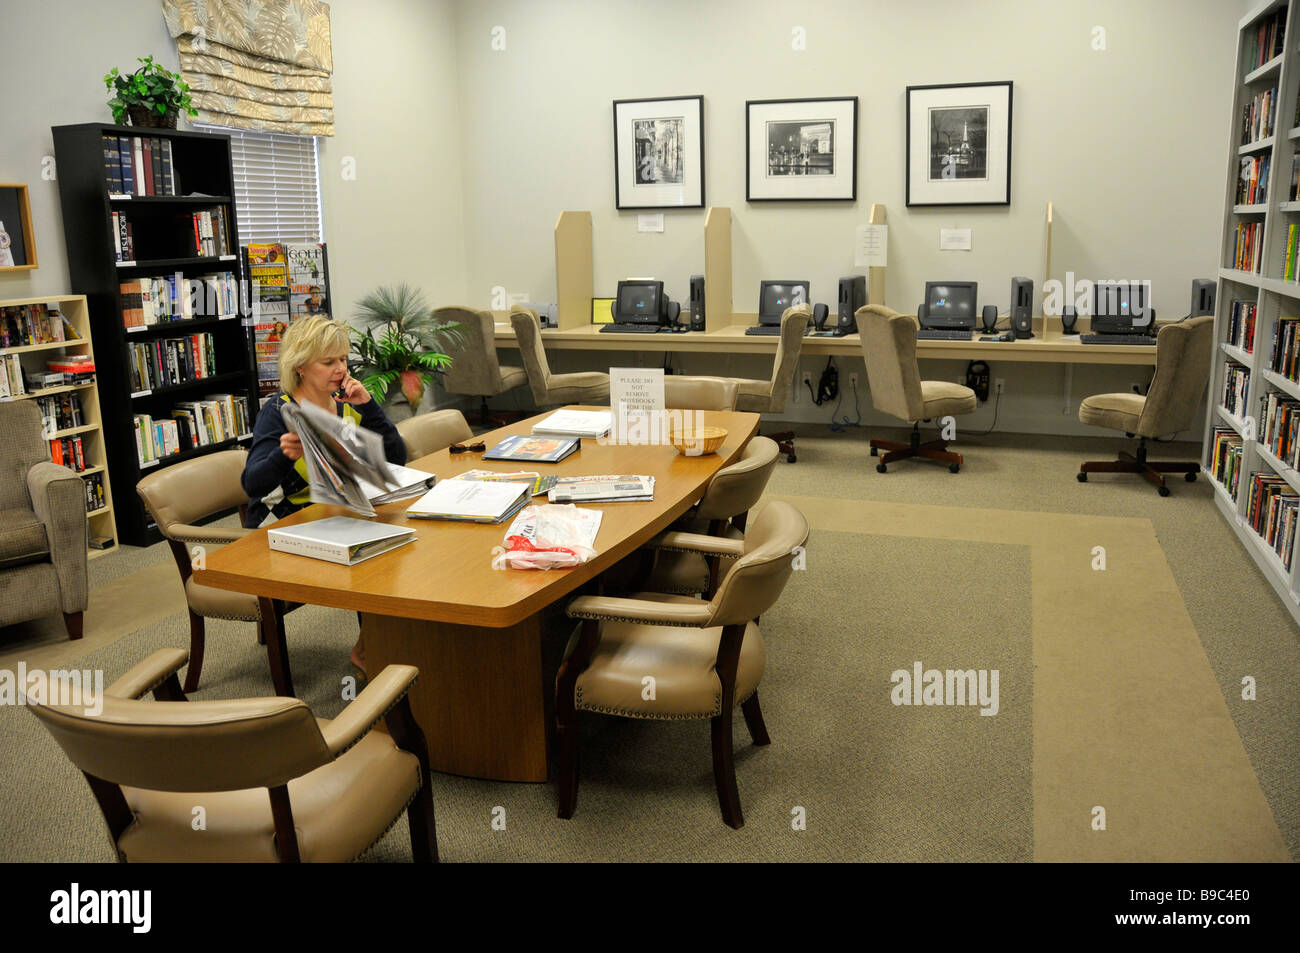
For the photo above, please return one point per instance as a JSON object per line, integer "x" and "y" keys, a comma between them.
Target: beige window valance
{"x": 256, "y": 64}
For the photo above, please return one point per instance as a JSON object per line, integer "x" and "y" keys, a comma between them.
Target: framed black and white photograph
{"x": 801, "y": 149}
{"x": 959, "y": 144}
{"x": 659, "y": 153}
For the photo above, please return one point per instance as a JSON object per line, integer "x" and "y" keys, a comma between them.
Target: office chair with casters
{"x": 889, "y": 349}
{"x": 1173, "y": 402}
{"x": 177, "y": 498}
{"x": 428, "y": 433}
{"x": 583, "y": 387}
{"x": 699, "y": 393}
{"x": 474, "y": 369}
{"x": 769, "y": 397}
{"x": 278, "y": 784}
{"x": 707, "y": 657}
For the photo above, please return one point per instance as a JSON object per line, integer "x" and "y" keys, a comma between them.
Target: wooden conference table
{"x": 475, "y": 632}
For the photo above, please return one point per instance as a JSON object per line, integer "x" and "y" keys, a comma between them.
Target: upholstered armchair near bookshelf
{"x": 42, "y": 526}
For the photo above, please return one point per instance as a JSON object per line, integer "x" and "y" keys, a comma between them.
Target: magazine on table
{"x": 529, "y": 449}
{"x": 541, "y": 484}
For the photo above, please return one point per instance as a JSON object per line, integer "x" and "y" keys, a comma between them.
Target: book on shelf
{"x": 64, "y": 411}
{"x": 1279, "y": 427}
{"x": 1241, "y": 325}
{"x": 1225, "y": 458}
{"x": 11, "y": 377}
{"x": 1236, "y": 382}
{"x": 339, "y": 539}
{"x": 96, "y": 498}
{"x": 155, "y": 439}
{"x": 1252, "y": 180}
{"x": 612, "y": 488}
{"x": 472, "y": 501}
{"x": 1257, "y": 116}
{"x": 214, "y": 419}
{"x": 1247, "y": 245}
{"x": 166, "y": 361}
{"x": 28, "y": 324}
{"x": 575, "y": 423}
{"x": 1284, "y": 357}
{"x": 1271, "y": 507}
{"x": 140, "y": 165}
{"x": 1265, "y": 41}
{"x": 529, "y": 449}
{"x": 148, "y": 301}
{"x": 204, "y": 233}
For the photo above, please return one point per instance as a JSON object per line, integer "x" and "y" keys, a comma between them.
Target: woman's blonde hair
{"x": 309, "y": 339}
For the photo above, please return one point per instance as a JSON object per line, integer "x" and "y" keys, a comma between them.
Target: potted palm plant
{"x": 151, "y": 96}
{"x": 400, "y": 343}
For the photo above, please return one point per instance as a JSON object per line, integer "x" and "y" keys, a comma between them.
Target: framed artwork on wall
{"x": 659, "y": 153}
{"x": 801, "y": 150}
{"x": 17, "y": 243}
{"x": 959, "y": 144}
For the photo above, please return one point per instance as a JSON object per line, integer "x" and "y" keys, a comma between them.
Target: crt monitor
{"x": 1120, "y": 307}
{"x": 775, "y": 296}
{"x": 950, "y": 304}
{"x": 641, "y": 302}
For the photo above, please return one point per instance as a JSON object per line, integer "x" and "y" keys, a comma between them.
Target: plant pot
{"x": 143, "y": 116}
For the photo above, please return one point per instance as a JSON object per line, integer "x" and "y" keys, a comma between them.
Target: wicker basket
{"x": 143, "y": 116}
{"x": 697, "y": 442}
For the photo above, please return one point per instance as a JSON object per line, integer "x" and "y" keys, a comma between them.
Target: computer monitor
{"x": 1203, "y": 293}
{"x": 1121, "y": 307}
{"x": 641, "y": 302}
{"x": 950, "y": 304}
{"x": 775, "y": 296}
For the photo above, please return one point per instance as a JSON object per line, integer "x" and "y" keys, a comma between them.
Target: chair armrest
{"x": 144, "y": 677}
{"x": 678, "y": 542}
{"x": 641, "y": 610}
{"x": 364, "y": 712}
{"x": 188, "y": 533}
{"x": 59, "y": 499}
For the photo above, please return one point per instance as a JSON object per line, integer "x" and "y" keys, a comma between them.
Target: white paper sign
{"x": 636, "y": 388}
{"x": 954, "y": 239}
{"x": 871, "y": 247}
{"x": 650, "y": 223}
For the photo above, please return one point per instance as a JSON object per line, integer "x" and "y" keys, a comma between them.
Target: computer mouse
{"x": 1008, "y": 336}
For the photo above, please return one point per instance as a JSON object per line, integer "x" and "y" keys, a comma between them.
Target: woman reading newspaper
{"x": 313, "y": 369}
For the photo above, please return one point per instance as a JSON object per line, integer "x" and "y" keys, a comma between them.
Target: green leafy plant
{"x": 151, "y": 86}
{"x": 401, "y": 343}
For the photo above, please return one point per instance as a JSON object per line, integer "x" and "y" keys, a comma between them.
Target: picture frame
{"x": 801, "y": 150}
{"x": 17, "y": 242}
{"x": 959, "y": 144}
{"x": 659, "y": 153}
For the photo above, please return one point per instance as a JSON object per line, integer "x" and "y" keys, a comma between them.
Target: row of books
{"x": 212, "y": 233}
{"x": 28, "y": 324}
{"x": 1236, "y": 383}
{"x": 1252, "y": 180}
{"x": 196, "y": 423}
{"x": 140, "y": 165}
{"x": 1258, "y": 117}
{"x": 1225, "y": 458}
{"x": 1264, "y": 42}
{"x": 1280, "y": 426}
{"x": 150, "y": 301}
{"x": 68, "y": 452}
{"x": 96, "y": 499}
{"x": 202, "y": 234}
{"x": 1284, "y": 355}
{"x": 1291, "y": 257}
{"x": 63, "y": 410}
{"x": 1271, "y": 509}
{"x": 123, "y": 238}
{"x": 1241, "y": 325}
{"x": 1247, "y": 246}
{"x": 172, "y": 361}
{"x": 16, "y": 381}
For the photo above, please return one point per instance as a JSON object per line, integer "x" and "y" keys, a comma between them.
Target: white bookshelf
{"x": 33, "y": 357}
{"x": 1273, "y": 296}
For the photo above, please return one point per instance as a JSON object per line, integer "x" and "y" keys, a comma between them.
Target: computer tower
{"x": 1022, "y": 307}
{"x": 853, "y": 295}
{"x": 1203, "y": 295}
{"x": 697, "y": 302}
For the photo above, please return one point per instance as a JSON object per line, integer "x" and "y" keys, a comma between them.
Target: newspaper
{"x": 601, "y": 489}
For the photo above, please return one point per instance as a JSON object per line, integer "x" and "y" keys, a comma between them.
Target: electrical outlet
{"x": 806, "y": 382}
{"x": 853, "y": 381}
{"x": 997, "y": 385}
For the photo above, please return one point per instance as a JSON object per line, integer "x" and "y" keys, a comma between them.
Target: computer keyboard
{"x": 1117, "y": 339}
{"x": 935, "y": 334}
{"x": 771, "y": 329}
{"x": 631, "y": 328}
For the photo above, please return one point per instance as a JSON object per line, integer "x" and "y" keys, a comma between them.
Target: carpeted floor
{"x": 1117, "y": 689}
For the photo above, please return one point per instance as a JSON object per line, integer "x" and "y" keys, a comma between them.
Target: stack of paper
{"x": 576, "y": 423}
{"x": 471, "y": 501}
{"x": 602, "y": 489}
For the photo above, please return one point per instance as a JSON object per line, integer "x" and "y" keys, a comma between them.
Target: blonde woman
{"x": 313, "y": 369}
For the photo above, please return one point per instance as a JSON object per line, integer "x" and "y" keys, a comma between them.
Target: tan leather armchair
{"x": 276, "y": 783}
{"x": 682, "y": 392}
{"x": 705, "y": 657}
{"x": 43, "y": 526}
{"x": 769, "y": 397}
{"x": 584, "y": 387}
{"x": 1173, "y": 402}
{"x": 428, "y": 433}
{"x": 178, "y": 498}
{"x": 474, "y": 370}
{"x": 889, "y": 349}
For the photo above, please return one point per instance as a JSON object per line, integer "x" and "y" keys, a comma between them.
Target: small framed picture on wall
{"x": 959, "y": 144}
{"x": 659, "y": 153}
{"x": 17, "y": 243}
{"x": 801, "y": 149}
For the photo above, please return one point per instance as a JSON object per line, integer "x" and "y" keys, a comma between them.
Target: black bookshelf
{"x": 203, "y": 165}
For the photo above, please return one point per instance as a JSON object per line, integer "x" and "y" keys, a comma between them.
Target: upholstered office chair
{"x": 43, "y": 527}
{"x": 278, "y": 784}
{"x": 769, "y": 397}
{"x": 705, "y": 657}
{"x": 889, "y": 349}
{"x": 583, "y": 387}
{"x": 474, "y": 370}
{"x": 1173, "y": 403}
{"x": 178, "y": 497}
{"x": 699, "y": 393}
{"x": 428, "y": 433}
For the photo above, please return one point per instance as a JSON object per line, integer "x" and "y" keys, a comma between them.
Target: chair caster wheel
{"x": 1162, "y": 490}
{"x": 880, "y": 468}
{"x": 954, "y": 467}
{"x": 875, "y": 452}
{"x": 790, "y": 458}
{"x": 1189, "y": 477}
{"x": 1082, "y": 477}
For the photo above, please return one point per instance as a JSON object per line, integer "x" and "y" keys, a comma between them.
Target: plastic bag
{"x": 549, "y": 536}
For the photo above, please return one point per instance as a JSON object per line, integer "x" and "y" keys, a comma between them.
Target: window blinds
{"x": 277, "y": 186}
